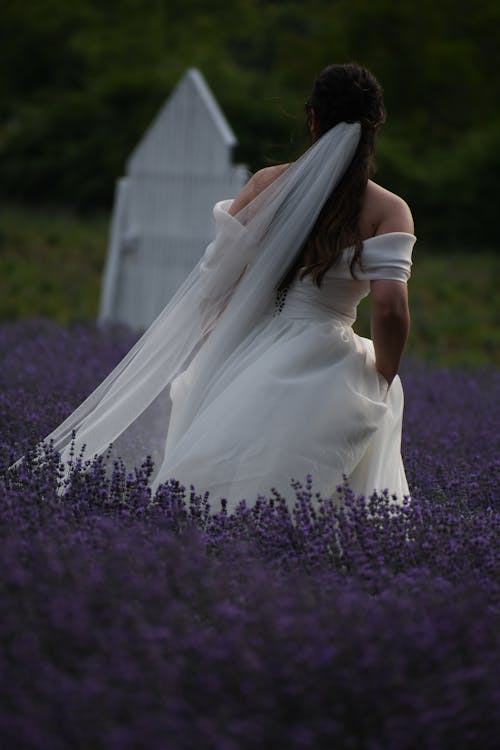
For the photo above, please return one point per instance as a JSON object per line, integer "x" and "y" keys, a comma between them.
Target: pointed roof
{"x": 190, "y": 134}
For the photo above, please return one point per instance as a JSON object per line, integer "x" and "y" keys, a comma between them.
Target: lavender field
{"x": 137, "y": 622}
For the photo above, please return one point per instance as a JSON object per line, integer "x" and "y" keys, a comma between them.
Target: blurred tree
{"x": 79, "y": 83}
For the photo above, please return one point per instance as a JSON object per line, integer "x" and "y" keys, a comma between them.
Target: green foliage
{"x": 80, "y": 82}
{"x": 51, "y": 266}
{"x": 453, "y": 311}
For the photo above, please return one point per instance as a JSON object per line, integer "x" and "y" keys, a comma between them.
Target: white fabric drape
{"x": 212, "y": 312}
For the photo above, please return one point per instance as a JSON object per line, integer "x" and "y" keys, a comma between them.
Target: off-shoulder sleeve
{"x": 387, "y": 256}
{"x": 223, "y": 263}
{"x": 228, "y": 231}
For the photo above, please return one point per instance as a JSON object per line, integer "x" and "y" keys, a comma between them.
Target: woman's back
{"x": 381, "y": 212}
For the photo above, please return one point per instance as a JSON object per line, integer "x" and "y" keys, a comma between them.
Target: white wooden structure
{"x": 162, "y": 216}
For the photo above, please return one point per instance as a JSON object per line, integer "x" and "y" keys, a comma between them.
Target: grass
{"x": 51, "y": 265}
{"x": 452, "y": 298}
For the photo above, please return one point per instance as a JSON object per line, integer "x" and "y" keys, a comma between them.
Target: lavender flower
{"x": 137, "y": 621}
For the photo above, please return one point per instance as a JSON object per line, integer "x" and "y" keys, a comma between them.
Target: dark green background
{"x": 81, "y": 80}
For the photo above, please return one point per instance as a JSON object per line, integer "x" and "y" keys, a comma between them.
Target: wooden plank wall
{"x": 162, "y": 217}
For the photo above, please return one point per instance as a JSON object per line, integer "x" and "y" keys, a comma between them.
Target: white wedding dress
{"x": 299, "y": 395}
{"x": 232, "y": 392}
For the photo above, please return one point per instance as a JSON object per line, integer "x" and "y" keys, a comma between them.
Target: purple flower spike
{"x": 132, "y": 620}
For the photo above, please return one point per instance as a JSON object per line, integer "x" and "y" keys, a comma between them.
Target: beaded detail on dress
{"x": 280, "y": 300}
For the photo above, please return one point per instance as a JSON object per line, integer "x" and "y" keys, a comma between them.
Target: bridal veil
{"x": 212, "y": 312}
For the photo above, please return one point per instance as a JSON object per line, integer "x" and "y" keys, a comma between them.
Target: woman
{"x": 252, "y": 375}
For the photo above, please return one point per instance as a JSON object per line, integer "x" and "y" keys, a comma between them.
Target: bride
{"x": 252, "y": 375}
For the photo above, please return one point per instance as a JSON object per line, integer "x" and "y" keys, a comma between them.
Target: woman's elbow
{"x": 389, "y": 299}
{"x": 391, "y": 309}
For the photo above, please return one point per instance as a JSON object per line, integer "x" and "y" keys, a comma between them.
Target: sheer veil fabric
{"x": 213, "y": 311}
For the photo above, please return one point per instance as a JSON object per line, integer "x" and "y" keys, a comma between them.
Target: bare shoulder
{"x": 388, "y": 211}
{"x": 256, "y": 184}
{"x": 265, "y": 176}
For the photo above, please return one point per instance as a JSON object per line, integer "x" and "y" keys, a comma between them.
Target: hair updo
{"x": 341, "y": 93}
{"x": 347, "y": 93}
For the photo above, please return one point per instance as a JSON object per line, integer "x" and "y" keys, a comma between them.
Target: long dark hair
{"x": 341, "y": 93}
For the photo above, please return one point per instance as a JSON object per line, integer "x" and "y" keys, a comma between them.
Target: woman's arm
{"x": 390, "y": 324}
{"x": 390, "y": 315}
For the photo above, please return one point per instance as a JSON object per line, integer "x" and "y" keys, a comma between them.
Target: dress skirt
{"x": 298, "y": 397}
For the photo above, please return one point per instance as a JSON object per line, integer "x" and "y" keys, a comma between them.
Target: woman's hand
{"x": 390, "y": 325}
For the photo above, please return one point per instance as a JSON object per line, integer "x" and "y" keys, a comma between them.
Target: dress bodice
{"x": 385, "y": 256}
